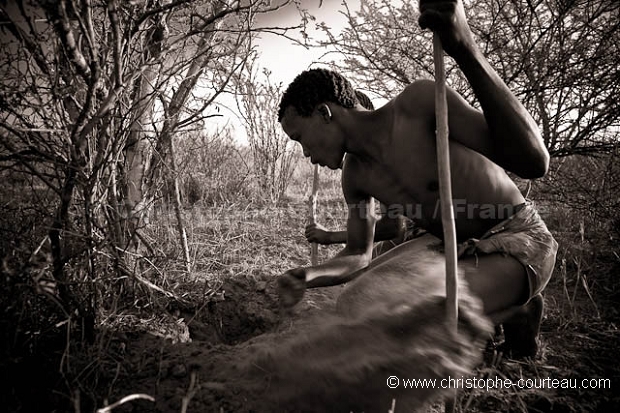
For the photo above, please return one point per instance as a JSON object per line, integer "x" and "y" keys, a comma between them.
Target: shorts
{"x": 525, "y": 237}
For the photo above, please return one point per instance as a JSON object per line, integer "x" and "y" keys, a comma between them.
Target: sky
{"x": 284, "y": 58}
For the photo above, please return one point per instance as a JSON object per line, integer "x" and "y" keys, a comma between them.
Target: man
{"x": 506, "y": 252}
{"x": 391, "y": 230}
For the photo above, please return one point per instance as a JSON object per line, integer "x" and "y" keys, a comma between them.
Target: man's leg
{"x": 501, "y": 282}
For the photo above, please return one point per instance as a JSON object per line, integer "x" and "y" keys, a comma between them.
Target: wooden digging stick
{"x": 445, "y": 196}
{"x": 314, "y": 251}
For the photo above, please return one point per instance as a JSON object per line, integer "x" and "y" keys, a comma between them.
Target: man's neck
{"x": 365, "y": 132}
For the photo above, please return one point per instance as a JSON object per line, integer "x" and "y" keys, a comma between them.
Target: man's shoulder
{"x": 417, "y": 98}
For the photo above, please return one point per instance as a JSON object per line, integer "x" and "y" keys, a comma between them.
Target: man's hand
{"x": 317, "y": 233}
{"x": 291, "y": 287}
{"x": 447, "y": 19}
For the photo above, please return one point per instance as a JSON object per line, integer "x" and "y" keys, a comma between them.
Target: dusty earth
{"x": 331, "y": 353}
{"x": 308, "y": 359}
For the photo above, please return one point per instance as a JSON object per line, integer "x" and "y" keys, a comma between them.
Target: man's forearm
{"x": 383, "y": 231}
{"x": 335, "y": 271}
{"x": 337, "y": 237}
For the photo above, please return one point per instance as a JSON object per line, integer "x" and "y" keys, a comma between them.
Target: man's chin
{"x": 329, "y": 165}
{"x": 332, "y": 165}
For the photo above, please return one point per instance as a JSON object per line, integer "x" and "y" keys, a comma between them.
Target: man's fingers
{"x": 434, "y": 14}
{"x": 314, "y": 233}
{"x": 311, "y": 227}
{"x": 430, "y": 20}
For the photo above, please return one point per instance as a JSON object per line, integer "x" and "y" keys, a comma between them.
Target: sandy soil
{"x": 331, "y": 353}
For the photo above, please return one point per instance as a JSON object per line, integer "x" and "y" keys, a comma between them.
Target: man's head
{"x": 307, "y": 112}
{"x": 314, "y": 87}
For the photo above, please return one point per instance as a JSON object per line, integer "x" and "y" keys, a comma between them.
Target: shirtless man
{"x": 506, "y": 250}
{"x": 391, "y": 229}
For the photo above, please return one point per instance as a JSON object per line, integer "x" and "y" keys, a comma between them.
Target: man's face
{"x": 318, "y": 136}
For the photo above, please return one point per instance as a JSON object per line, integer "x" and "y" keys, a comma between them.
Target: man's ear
{"x": 325, "y": 111}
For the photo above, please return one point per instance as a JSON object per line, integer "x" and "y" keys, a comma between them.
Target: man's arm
{"x": 319, "y": 234}
{"x": 386, "y": 228}
{"x": 343, "y": 267}
{"x": 513, "y": 140}
{"x": 358, "y": 250}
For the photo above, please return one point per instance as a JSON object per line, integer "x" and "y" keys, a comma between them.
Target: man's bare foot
{"x": 291, "y": 287}
{"x": 521, "y": 331}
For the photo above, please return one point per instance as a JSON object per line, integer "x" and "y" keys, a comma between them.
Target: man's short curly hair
{"x": 364, "y": 100}
{"x": 316, "y": 86}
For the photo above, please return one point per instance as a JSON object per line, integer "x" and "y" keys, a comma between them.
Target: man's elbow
{"x": 544, "y": 164}
{"x": 536, "y": 156}
{"x": 364, "y": 259}
{"x": 358, "y": 258}
{"x": 537, "y": 166}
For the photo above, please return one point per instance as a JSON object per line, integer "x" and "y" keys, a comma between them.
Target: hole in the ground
{"x": 249, "y": 308}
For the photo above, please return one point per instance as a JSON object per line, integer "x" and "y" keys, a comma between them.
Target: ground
{"x": 223, "y": 344}
{"x": 197, "y": 373}
{"x": 248, "y": 354}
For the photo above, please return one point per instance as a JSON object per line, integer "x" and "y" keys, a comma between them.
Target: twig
{"x": 125, "y": 399}
{"x": 445, "y": 194}
{"x": 191, "y": 392}
{"x": 314, "y": 252}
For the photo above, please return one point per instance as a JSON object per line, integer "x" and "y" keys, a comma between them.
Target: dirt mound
{"x": 326, "y": 364}
{"x": 339, "y": 364}
{"x": 247, "y": 307}
{"x": 314, "y": 358}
